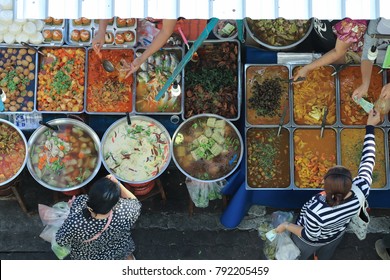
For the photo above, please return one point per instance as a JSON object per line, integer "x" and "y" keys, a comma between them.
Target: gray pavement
{"x": 167, "y": 232}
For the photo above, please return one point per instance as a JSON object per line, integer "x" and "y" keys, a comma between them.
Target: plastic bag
{"x": 52, "y": 218}
{"x": 202, "y": 192}
{"x": 279, "y": 217}
{"x": 285, "y": 247}
{"x": 269, "y": 247}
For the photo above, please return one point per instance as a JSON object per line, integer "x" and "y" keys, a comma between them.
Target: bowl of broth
{"x": 13, "y": 152}
{"x": 207, "y": 148}
{"x": 64, "y": 158}
{"x": 138, "y": 151}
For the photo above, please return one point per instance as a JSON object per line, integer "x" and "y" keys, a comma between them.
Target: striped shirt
{"x": 322, "y": 223}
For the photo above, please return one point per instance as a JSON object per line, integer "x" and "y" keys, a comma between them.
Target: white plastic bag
{"x": 285, "y": 247}
{"x": 202, "y": 192}
{"x": 52, "y": 218}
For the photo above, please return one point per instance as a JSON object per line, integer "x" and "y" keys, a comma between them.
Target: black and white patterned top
{"x": 115, "y": 243}
{"x": 322, "y": 223}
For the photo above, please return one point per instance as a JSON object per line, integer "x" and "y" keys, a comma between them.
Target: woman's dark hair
{"x": 102, "y": 197}
{"x": 338, "y": 183}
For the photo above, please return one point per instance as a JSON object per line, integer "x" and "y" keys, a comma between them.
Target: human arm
{"x": 366, "y": 64}
{"x": 366, "y": 69}
{"x": 330, "y": 57}
{"x": 98, "y": 39}
{"x": 293, "y": 228}
{"x": 168, "y": 26}
{"x": 367, "y": 161}
{"x": 385, "y": 93}
{"x": 125, "y": 193}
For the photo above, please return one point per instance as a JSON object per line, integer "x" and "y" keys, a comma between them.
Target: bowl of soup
{"x": 64, "y": 157}
{"x": 207, "y": 147}
{"x": 136, "y": 150}
{"x": 13, "y": 152}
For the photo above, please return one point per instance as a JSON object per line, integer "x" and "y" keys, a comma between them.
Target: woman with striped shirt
{"x": 322, "y": 221}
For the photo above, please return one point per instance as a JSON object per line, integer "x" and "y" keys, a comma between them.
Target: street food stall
{"x": 236, "y": 116}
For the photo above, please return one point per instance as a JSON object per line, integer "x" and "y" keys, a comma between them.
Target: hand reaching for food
{"x": 301, "y": 73}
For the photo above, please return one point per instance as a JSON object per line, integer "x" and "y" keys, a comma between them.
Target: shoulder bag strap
{"x": 105, "y": 227}
{"x": 359, "y": 195}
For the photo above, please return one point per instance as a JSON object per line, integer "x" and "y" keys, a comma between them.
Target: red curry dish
{"x": 110, "y": 92}
{"x": 12, "y": 152}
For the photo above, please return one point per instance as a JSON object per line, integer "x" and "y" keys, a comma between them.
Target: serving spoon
{"x": 107, "y": 65}
{"x": 48, "y": 57}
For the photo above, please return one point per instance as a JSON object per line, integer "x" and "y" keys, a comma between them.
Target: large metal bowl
{"x": 277, "y": 48}
{"x": 136, "y": 155}
{"x": 72, "y": 123}
{"x": 10, "y": 180}
{"x": 226, "y": 160}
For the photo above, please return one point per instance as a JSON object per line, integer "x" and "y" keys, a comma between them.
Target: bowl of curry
{"x": 13, "y": 152}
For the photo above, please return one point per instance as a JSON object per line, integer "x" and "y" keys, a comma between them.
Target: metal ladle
{"x": 49, "y": 57}
{"x": 107, "y": 65}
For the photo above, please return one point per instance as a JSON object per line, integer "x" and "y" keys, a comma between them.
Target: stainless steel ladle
{"x": 107, "y": 65}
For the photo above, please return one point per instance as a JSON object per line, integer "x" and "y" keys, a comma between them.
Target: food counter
{"x": 280, "y": 171}
{"x": 347, "y": 134}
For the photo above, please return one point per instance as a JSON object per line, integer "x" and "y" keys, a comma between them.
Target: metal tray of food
{"x": 109, "y": 91}
{"x": 151, "y": 77}
{"x": 351, "y": 146}
{"x": 219, "y": 102}
{"x": 80, "y": 32}
{"x": 61, "y": 82}
{"x": 311, "y": 96}
{"x": 312, "y": 155}
{"x": 18, "y": 79}
{"x": 125, "y": 23}
{"x": 268, "y": 159}
{"x": 261, "y": 111}
{"x": 348, "y": 79}
{"x": 36, "y": 32}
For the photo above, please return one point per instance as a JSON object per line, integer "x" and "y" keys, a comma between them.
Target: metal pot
{"x": 230, "y": 160}
{"x": 124, "y": 156}
{"x": 11, "y": 180}
{"x": 72, "y": 123}
{"x": 278, "y": 48}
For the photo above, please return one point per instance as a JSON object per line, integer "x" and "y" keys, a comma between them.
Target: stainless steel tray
{"x": 180, "y": 80}
{"x": 239, "y": 74}
{"x": 85, "y": 67}
{"x": 31, "y": 86}
{"x": 290, "y": 160}
{"x": 131, "y": 111}
{"x": 288, "y": 118}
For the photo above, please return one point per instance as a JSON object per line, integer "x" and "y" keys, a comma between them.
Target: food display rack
{"x": 291, "y": 126}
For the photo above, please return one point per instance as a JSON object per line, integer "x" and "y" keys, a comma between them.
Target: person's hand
{"x": 360, "y": 92}
{"x": 112, "y": 178}
{"x": 134, "y": 66}
{"x": 98, "y": 41}
{"x": 302, "y": 72}
{"x": 282, "y": 227}
{"x": 373, "y": 118}
{"x": 385, "y": 93}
